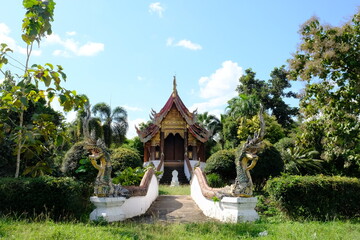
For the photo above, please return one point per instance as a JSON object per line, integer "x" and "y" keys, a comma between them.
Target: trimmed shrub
{"x": 57, "y": 198}
{"x": 269, "y": 165}
{"x": 223, "y": 164}
{"x": 214, "y": 180}
{"x": 316, "y": 197}
{"x": 77, "y": 164}
{"x": 73, "y": 157}
{"x": 123, "y": 158}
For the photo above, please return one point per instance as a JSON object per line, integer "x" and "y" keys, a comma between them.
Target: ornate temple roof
{"x": 194, "y": 128}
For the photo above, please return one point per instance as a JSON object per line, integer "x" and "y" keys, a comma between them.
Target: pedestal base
{"x": 239, "y": 209}
{"x": 108, "y": 208}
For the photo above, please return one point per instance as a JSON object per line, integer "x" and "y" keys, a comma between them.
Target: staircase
{"x": 169, "y": 167}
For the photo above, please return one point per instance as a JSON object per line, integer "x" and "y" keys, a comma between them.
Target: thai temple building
{"x": 174, "y": 134}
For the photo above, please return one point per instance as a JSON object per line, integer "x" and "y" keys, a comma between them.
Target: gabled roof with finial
{"x": 194, "y": 128}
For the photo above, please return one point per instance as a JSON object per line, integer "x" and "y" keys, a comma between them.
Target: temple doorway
{"x": 174, "y": 147}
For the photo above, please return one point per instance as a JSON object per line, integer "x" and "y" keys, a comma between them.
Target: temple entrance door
{"x": 174, "y": 147}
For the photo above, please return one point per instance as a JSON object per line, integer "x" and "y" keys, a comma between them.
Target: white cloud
{"x": 133, "y": 109}
{"x": 132, "y": 123}
{"x": 140, "y": 78}
{"x": 90, "y": 49}
{"x": 61, "y": 53}
{"x": 183, "y": 43}
{"x": 72, "y": 47}
{"x": 156, "y": 8}
{"x": 188, "y": 44}
{"x": 5, "y": 38}
{"x": 218, "y": 88}
{"x": 72, "y": 33}
{"x": 222, "y": 82}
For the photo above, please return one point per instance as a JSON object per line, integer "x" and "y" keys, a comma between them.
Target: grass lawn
{"x": 20, "y": 229}
{"x": 178, "y": 190}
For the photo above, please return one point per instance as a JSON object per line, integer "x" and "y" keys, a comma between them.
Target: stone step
{"x": 173, "y": 208}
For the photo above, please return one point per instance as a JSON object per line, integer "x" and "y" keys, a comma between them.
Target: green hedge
{"x": 57, "y": 198}
{"x": 316, "y": 197}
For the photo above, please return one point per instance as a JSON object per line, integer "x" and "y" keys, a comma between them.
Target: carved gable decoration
{"x": 155, "y": 141}
{"x": 173, "y": 120}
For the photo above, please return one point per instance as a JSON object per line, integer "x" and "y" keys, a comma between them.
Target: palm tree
{"x": 243, "y": 106}
{"x": 213, "y": 124}
{"x": 209, "y": 122}
{"x": 114, "y": 123}
{"x": 301, "y": 161}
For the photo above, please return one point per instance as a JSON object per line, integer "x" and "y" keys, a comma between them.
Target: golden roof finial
{"x": 174, "y": 86}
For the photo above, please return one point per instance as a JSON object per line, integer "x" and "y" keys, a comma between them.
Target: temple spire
{"x": 174, "y": 87}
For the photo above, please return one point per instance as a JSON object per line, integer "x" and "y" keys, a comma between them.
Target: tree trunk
{"x": 19, "y": 144}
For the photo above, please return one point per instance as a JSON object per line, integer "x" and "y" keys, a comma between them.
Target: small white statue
{"x": 174, "y": 180}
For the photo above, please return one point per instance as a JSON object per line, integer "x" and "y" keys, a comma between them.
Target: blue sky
{"x": 125, "y": 53}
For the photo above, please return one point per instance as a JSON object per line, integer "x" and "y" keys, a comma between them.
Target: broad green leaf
{"x": 47, "y": 81}
{"x": 50, "y": 65}
{"x": 24, "y": 101}
{"x": 62, "y": 99}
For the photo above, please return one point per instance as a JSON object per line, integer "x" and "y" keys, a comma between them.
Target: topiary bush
{"x": 316, "y": 197}
{"x": 223, "y": 164}
{"x": 77, "y": 164}
{"x": 57, "y": 198}
{"x": 215, "y": 181}
{"x": 122, "y": 158}
{"x": 72, "y": 158}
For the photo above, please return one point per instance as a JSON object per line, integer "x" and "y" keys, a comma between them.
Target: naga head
{"x": 254, "y": 144}
{"x": 94, "y": 146}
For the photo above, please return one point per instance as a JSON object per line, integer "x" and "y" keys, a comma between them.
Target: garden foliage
{"x": 76, "y": 163}
{"x": 316, "y": 197}
{"x": 129, "y": 176}
{"x": 57, "y": 198}
{"x": 123, "y": 158}
{"x": 215, "y": 180}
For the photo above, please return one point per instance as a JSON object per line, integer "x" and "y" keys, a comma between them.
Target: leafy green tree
{"x": 243, "y": 106}
{"x": 273, "y": 130}
{"x": 18, "y": 98}
{"x": 327, "y": 59}
{"x": 269, "y": 93}
{"x": 209, "y": 122}
{"x": 229, "y": 132}
{"x": 136, "y": 144}
{"x": 212, "y": 124}
{"x": 238, "y": 110}
{"x": 114, "y": 122}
